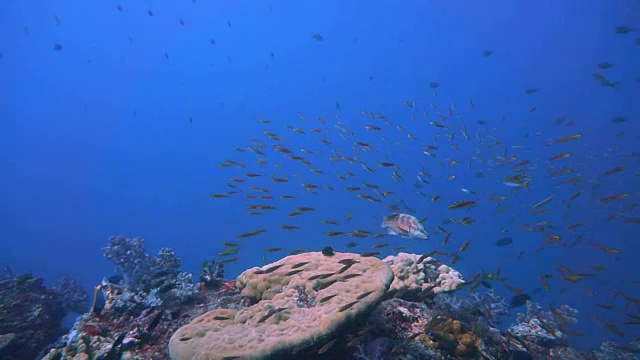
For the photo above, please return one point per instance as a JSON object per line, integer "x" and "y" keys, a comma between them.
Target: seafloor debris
{"x": 310, "y": 306}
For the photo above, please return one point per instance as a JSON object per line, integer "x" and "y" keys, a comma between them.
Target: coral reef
{"x": 451, "y": 326}
{"x": 300, "y": 303}
{"x": 211, "y": 274}
{"x": 143, "y": 307}
{"x": 31, "y": 314}
{"x": 611, "y": 350}
{"x": 160, "y": 274}
{"x": 482, "y": 311}
{"x": 450, "y": 336}
{"x": 539, "y": 331}
{"x": 305, "y": 306}
{"x": 416, "y": 331}
{"x": 130, "y": 258}
{"x": 399, "y": 319}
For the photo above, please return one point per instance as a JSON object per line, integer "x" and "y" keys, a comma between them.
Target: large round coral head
{"x": 301, "y": 303}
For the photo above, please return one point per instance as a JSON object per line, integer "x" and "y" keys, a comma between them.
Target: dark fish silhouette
{"x": 504, "y": 241}
{"x": 519, "y": 300}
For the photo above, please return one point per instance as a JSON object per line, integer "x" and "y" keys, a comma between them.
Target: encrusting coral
{"x": 301, "y": 301}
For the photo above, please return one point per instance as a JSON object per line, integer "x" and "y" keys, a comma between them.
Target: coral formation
{"x": 399, "y": 319}
{"x": 534, "y": 331}
{"x": 303, "y": 306}
{"x": 542, "y": 332}
{"x": 158, "y": 276}
{"x": 611, "y": 350}
{"x": 141, "y": 309}
{"x": 74, "y": 298}
{"x": 129, "y": 257}
{"x": 391, "y": 329}
{"x": 417, "y": 277}
{"x": 451, "y": 336}
{"x": 211, "y": 274}
{"x": 31, "y": 314}
{"x": 481, "y": 311}
{"x": 417, "y": 331}
{"x": 336, "y": 291}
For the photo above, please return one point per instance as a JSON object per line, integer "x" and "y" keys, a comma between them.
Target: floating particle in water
{"x": 605, "y": 65}
{"x": 623, "y": 29}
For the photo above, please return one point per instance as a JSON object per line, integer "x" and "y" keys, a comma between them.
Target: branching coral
{"x": 480, "y": 310}
{"x": 145, "y": 273}
{"x": 129, "y": 257}
{"x": 544, "y": 328}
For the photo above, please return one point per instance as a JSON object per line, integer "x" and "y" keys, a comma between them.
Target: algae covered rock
{"x": 301, "y": 303}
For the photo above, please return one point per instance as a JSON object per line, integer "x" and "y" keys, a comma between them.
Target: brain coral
{"x": 301, "y": 302}
{"x": 426, "y": 276}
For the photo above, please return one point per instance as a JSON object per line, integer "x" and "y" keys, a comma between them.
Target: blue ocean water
{"x": 116, "y": 117}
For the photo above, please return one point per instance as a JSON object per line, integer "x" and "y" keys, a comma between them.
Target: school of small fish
{"x": 357, "y": 150}
{"x": 436, "y": 146}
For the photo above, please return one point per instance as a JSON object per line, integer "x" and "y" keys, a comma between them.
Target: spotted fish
{"x": 404, "y": 225}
